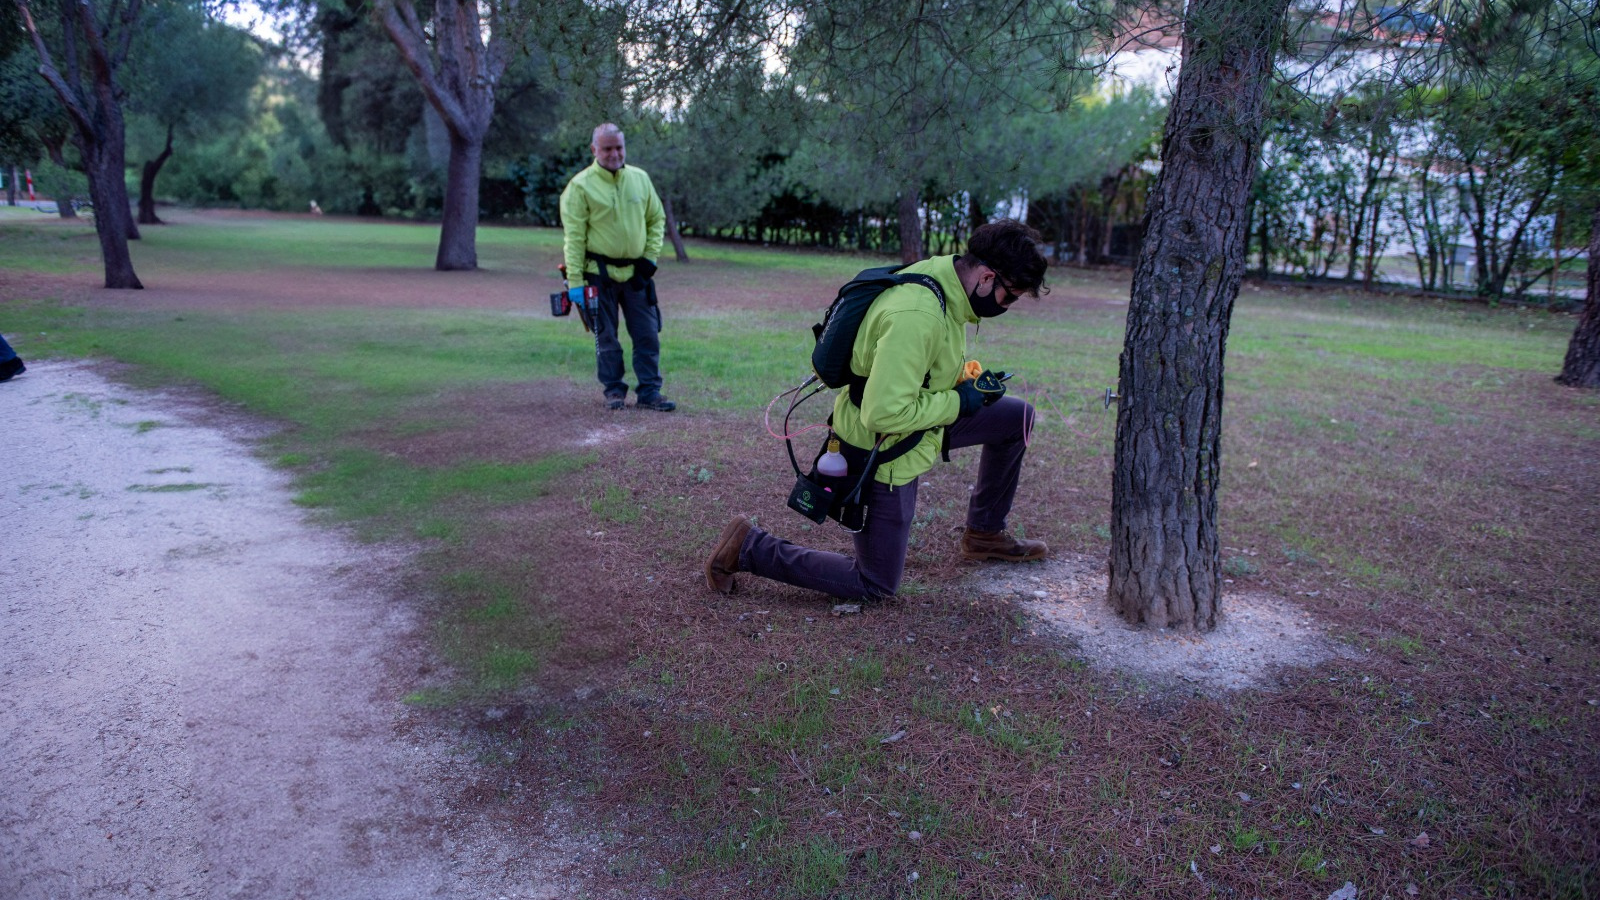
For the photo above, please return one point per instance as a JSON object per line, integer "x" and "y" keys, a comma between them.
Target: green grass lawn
{"x": 1405, "y": 471}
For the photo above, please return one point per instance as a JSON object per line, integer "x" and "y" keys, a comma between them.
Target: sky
{"x": 247, "y": 15}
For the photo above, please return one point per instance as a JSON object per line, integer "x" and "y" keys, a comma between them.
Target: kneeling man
{"x": 913, "y": 358}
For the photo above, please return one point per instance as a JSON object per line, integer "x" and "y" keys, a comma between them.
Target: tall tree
{"x": 1536, "y": 64}
{"x": 1165, "y": 552}
{"x": 187, "y": 74}
{"x": 902, "y": 95}
{"x": 458, "y": 69}
{"x": 1165, "y": 555}
{"x": 93, "y": 47}
{"x": 712, "y": 161}
{"x": 1073, "y": 165}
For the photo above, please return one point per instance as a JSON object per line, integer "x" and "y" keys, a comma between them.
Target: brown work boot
{"x": 724, "y": 559}
{"x": 999, "y": 545}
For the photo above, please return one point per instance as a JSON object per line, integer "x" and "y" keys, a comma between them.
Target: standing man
{"x": 913, "y": 356}
{"x": 613, "y": 222}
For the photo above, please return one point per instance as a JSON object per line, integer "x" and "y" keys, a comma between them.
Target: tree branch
{"x": 99, "y": 60}
{"x": 47, "y": 70}
{"x": 400, "y": 21}
{"x": 69, "y": 45}
{"x": 129, "y": 17}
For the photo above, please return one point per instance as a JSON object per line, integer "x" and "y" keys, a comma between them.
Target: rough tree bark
{"x": 96, "y": 115}
{"x": 910, "y": 227}
{"x": 1165, "y": 566}
{"x": 147, "y": 183}
{"x": 1582, "y": 366}
{"x": 458, "y": 77}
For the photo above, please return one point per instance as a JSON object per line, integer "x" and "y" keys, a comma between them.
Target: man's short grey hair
{"x": 602, "y": 130}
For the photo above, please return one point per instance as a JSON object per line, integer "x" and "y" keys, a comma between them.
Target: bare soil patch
{"x": 1257, "y": 635}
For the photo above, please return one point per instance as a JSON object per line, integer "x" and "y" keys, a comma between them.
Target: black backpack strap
{"x": 867, "y": 460}
{"x": 927, "y": 281}
{"x": 885, "y": 454}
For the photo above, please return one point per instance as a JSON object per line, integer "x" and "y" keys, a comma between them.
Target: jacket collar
{"x": 956, "y": 304}
{"x": 602, "y": 172}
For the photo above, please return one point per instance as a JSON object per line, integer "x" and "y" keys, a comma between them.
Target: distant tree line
{"x": 1479, "y": 177}
{"x": 865, "y": 124}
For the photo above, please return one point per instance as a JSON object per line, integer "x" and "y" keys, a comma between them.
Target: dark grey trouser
{"x": 880, "y": 559}
{"x": 644, "y": 327}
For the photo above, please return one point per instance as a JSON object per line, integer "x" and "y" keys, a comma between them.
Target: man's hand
{"x": 971, "y": 398}
{"x": 992, "y": 385}
{"x": 980, "y": 392}
{"x": 644, "y": 270}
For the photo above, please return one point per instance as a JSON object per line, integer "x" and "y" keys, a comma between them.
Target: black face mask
{"x": 986, "y": 307}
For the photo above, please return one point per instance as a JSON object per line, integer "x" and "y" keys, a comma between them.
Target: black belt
{"x": 605, "y": 261}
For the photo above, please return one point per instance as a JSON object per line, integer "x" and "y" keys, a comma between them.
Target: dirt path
{"x": 195, "y": 687}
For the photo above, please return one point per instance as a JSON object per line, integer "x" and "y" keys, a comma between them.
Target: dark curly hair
{"x": 1015, "y": 251}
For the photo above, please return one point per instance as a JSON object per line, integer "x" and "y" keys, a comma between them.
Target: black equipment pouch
{"x": 810, "y": 499}
{"x": 852, "y": 517}
{"x": 843, "y": 498}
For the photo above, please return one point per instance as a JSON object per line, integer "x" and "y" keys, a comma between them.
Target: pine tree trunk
{"x": 910, "y": 227}
{"x": 673, "y": 234}
{"x": 458, "y": 233}
{"x": 1582, "y": 366}
{"x": 147, "y": 183}
{"x": 1165, "y": 566}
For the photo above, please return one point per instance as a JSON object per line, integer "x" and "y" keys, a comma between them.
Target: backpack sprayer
{"x": 584, "y": 298}
{"x": 841, "y": 472}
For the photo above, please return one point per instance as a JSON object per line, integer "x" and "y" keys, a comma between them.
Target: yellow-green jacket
{"x": 903, "y": 340}
{"x": 616, "y": 215}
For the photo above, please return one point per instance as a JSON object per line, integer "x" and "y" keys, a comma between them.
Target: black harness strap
{"x": 605, "y": 261}
{"x": 607, "y": 280}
